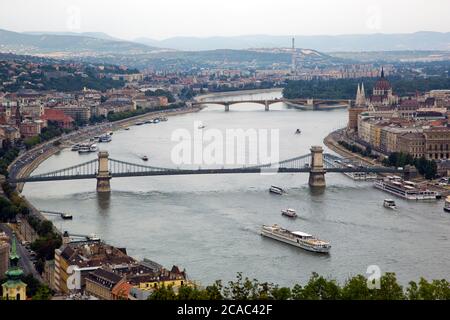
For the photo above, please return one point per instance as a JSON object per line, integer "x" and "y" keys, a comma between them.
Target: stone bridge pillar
{"x": 266, "y": 104}
{"x": 227, "y": 107}
{"x": 310, "y": 102}
{"x": 317, "y": 171}
{"x": 103, "y": 174}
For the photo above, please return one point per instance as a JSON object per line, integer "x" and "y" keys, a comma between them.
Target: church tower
{"x": 14, "y": 288}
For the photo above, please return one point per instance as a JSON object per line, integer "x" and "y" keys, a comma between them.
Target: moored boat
{"x": 296, "y": 238}
{"x": 145, "y": 158}
{"x": 405, "y": 189}
{"x": 447, "y": 204}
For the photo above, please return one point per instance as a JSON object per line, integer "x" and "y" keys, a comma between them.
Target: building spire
{"x": 382, "y": 72}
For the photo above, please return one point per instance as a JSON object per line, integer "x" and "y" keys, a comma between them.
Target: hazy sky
{"x": 167, "y": 18}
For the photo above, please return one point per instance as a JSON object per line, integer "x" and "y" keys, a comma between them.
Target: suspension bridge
{"x": 316, "y": 163}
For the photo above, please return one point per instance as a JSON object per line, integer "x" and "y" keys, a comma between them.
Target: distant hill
{"x": 25, "y": 43}
{"x": 98, "y": 35}
{"x": 358, "y": 42}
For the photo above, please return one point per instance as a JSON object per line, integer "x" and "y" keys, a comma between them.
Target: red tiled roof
{"x": 56, "y": 115}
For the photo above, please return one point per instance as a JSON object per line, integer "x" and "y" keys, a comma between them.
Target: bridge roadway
{"x": 173, "y": 172}
{"x": 315, "y": 103}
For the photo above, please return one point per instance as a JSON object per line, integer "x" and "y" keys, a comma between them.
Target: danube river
{"x": 209, "y": 224}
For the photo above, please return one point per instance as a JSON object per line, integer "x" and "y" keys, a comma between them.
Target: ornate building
{"x": 14, "y": 288}
{"x": 382, "y": 95}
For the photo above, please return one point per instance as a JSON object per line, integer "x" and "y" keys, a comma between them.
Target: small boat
{"x": 66, "y": 216}
{"x": 93, "y": 148}
{"x": 110, "y": 133}
{"x": 105, "y": 138}
{"x": 155, "y": 120}
{"x": 145, "y": 158}
{"x": 389, "y": 203}
{"x": 447, "y": 204}
{"x": 127, "y": 128}
{"x": 148, "y": 121}
{"x": 75, "y": 147}
{"x": 84, "y": 149}
{"x": 140, "y": 123}
{"x": 298, "y": 131}
{"x": 93, "y": 237}
{"x": 276, "y": 190}
{"x": 289, "y": 213}
{"x": 201, "y": 126}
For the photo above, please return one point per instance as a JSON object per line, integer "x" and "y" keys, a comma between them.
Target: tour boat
{"x": 145, "y": 158}
{"x": 105, "y": 138}
{"x": 296, "y": 238}
{"x": 289, "y": 213}
{"x": 447, "y": 204}
{"x": 84, "y": 149}
{"x": 405, "y": 189}
{"x": 389, "y": 203}
{"x": 75, "y": 147}
{"x": 277, "y": 190}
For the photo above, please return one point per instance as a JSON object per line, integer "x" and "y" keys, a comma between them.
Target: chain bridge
{"x": 316, "y": 163}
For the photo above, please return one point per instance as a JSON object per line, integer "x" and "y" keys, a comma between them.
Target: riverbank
{"x": 332, "y": 142}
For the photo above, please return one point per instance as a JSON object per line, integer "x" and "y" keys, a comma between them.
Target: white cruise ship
{"x": 447, "y": 204}
{"x": 296, "y": 238}
{"x": 405, "y": 189}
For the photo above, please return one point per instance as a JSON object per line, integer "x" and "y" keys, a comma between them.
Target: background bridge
{"x": 104, "y": 168}
{"x": 314, "y": 104}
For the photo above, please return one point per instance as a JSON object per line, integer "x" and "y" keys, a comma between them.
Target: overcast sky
{"x": 167, "y": 18}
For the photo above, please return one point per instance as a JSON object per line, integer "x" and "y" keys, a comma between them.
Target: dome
{"x": 382, "y": 84}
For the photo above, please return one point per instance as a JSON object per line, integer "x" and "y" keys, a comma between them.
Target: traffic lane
{"x": 25, "y": 259}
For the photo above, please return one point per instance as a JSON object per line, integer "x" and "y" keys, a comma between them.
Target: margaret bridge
{"x": 316, "y": 164}
{"x": 311, "y": 104}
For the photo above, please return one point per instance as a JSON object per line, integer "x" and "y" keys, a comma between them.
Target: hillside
{"x": 25, "y": 43}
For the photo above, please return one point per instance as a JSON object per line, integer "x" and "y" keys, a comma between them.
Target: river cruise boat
{"x": 296, "y": 238}
{"x": 87, "y": 148}
{"x": 389, "y": 203}
{"x": 289, "y": 213}
{"x": 447, "y": 204}
{"x": 276, "y": 190}
{"x": 405, "y": 189}
{"x": 105, "y": 138}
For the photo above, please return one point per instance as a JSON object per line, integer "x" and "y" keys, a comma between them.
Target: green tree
{"x": 356, "y": 288}
{"x": 43, "y": 293}
{"x": 163, "y": 293}
{"x": 319, "y": 288}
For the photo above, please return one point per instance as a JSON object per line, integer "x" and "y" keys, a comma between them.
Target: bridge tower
{"x": 266, "y": 104}
{"x": 317, "y": 172}
{"x": 103, "y": 174}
